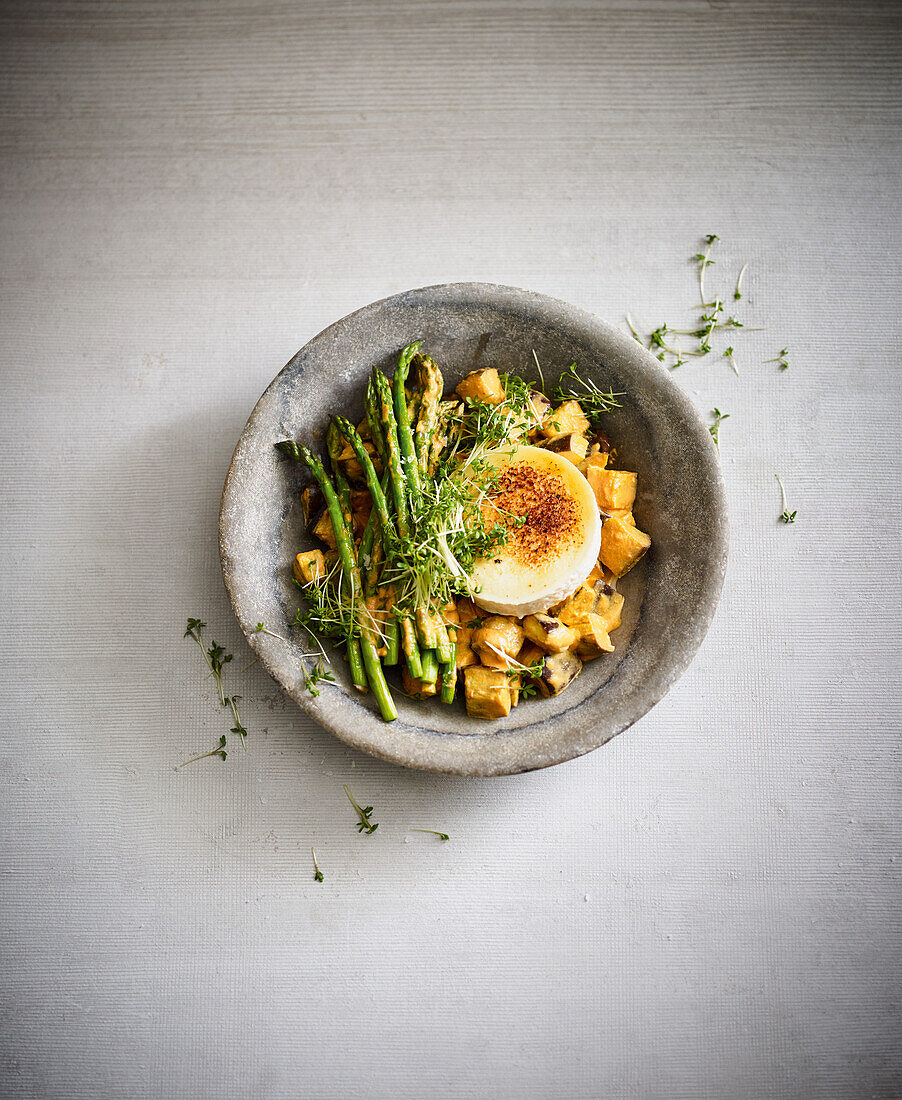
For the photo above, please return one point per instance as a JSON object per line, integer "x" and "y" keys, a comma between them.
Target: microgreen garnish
{"x": 435, "y": 832}
{"x": 262, "y": 628}
{"x": 219, "y": 751}
{"x": 782, "y": 359}
{"x": 786, "y": 516}
{"x": 571, "y": 386}
{"x": 737, "y": 293}
{"x": 217, "y": 658}
{"x": 364, "y": 825}
{"x": 664, "y": 341}
{"x": 317, "y": 873}
{"x": 704, "y": 261}
{"x": 714, "y": 428}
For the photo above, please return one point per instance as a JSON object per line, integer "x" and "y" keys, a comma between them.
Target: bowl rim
{"x": 641, "y": 703}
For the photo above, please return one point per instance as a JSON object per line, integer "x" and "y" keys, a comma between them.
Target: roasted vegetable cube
{"x": 548, "y": 633}
{"x": 593, "y": 639}
{"x": 482, "y": 385}
{"x": 608, "y": 609}
{"x": 559, "y": 670}
{"x": 465, "y": 654}
{"x": 322, "y": 530}
{"x": 566, "y": 418}
{"x": 613, "y": 489}
{"x": 597, "y": 461}
{"x": 580, "y": 604}
{"x": 572, "y": 447}
{"x": 309, "y": 566}
{"x": 467, "y": 612}
{"x": 417, "y": 688}
{"x": 487, "y": 693}
{"x": 622, "y": 545}
{"x": 539, "y": 410}
{"x": 498, "y": 638}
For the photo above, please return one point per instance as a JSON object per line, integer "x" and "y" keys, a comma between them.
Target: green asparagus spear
{"x": 345, "y": 547}
{"x": 343, "y": 491}
{"x": 374, "y": 419}
{"x": 380, "y": 506}
{"x": 342, "y": 488}
{"x": 429, "y": 675}
{"x": 405, "y": 439}
{"x": 449, "y": 681}
{"x": 393, "y": 451}
{"x": 431, "y": 384}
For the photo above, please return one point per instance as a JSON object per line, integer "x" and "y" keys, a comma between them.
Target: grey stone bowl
{"x": 670, "y": 596}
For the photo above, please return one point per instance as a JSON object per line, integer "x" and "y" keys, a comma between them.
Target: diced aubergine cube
{"x": 548, "y": 633}
{"x": 322, "y": 530}
{"x": 497, "y": 633}
{"x": 567, "y": 417}
{"x": 559, "y": 670}
{"x": 593, "y": 639}
{"x": 572, "y": 447}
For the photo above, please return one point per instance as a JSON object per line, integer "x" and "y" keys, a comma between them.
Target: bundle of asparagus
{"x": 403, "y": 428}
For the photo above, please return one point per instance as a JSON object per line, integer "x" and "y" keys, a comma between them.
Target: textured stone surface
{"x": 707, "y": 907}
{"x": 670, "y": 596}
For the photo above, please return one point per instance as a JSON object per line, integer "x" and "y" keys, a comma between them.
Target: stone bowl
{"x": 670, "y": 596}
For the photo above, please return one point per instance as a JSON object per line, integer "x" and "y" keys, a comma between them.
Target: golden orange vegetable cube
{"x": 613, "y": 489}
{"x": 622, "y": 545}
{"x": 608, "y": 609}
{"x": 309, "y": 566}
{"x": 593, "y": 639}
{"x": 482, "y": 385}
{"x": 487, "y": 693}
{"x": 567, "y": 417}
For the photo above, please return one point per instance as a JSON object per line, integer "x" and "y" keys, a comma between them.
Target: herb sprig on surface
{"x": 219, "y": 751}
{"x": 714, "y": 428}
{"x": 786, "y": 516}
{"x": 317, "y": 873}
{"x": 216, "y": 658}
{"x": 782, "y": 359}
{"x": 364, "y": 825}
{"x": 435, "y": 832}
{"x": 665, "y": 342}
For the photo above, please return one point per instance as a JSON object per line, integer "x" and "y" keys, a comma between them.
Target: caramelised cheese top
{"x": 548, "y": 556}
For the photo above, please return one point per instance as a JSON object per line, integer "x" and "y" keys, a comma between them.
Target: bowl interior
{"x": 670, "y": 596}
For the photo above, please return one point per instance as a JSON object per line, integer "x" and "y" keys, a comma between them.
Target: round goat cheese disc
{"x": 545, "y": 559}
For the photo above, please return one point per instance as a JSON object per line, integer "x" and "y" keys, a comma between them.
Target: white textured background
{"x": 707, "y": 907}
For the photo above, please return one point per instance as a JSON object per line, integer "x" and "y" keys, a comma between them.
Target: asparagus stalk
{"x": 342, "y": 488}
{"x": 393, "y": 451}
{"x": 381, "y": 401}
{"x": 410, "y": 648}
{"x": 392, "y": 642}
{"x": 345, "y": 547}
{"x": 405, "y": 438}
{"x": 429, "y": 673}
{"x": 373, "y": 410}
{"x": 432, "y": 383}
{"x": 449, "y": 681}
{"x": 380, "y": 505}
